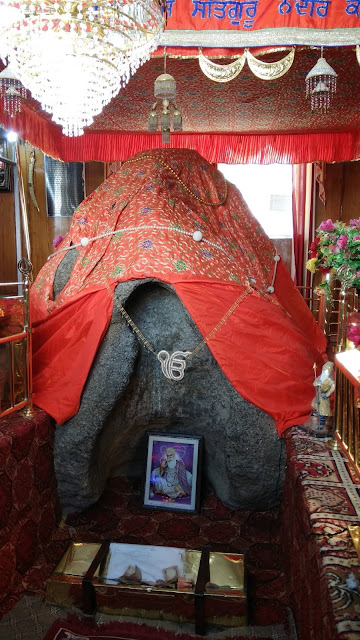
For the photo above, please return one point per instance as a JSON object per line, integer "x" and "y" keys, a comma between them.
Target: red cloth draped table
{"x": 27, "y": 501}
{"x": 321, "y": 499}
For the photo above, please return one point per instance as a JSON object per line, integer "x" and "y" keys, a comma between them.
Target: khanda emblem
{"x": 173, "y": 366}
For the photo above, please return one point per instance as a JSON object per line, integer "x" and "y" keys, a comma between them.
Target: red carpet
{"x": 120, "y": 516}
{"x": 86, "y": 630}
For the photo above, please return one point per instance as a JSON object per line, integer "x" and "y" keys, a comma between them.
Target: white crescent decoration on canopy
{"x": 221, "y": 72}
{"x": 263, "y": 70}
{"x": 270, "y": 70}
{"x": 358, "y": 53}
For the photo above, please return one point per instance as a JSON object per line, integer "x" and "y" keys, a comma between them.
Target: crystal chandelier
{"x": 165, "y": 92}
{"x": 320, "y": 85}
{"x": 74, "y": 57}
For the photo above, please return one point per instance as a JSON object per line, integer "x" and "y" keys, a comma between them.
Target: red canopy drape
{"x": 229, "y": 148}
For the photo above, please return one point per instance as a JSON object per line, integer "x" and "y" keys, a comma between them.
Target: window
{"x": 267, "y": 190}
{"x": 64, "y": 183}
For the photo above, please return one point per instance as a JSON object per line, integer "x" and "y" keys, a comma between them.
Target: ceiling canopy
{"x": 245, "y": 119}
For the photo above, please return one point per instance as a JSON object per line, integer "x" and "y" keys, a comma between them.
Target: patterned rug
{"x": 32, "y": 544}
{"x": 33, "y": 618}
{"x": 321, "y": 499}
{"x": 84, "y": 630}
{"x": 119, "y": 516}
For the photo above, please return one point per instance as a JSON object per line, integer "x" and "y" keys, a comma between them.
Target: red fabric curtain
{"x": 110, "y": 146}
{"x": 303, "y": 222}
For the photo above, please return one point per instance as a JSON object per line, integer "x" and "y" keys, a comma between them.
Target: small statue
{"x": 320, "y": 422}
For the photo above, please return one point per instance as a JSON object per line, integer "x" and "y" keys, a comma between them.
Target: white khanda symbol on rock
{"x": 173, "y": 366}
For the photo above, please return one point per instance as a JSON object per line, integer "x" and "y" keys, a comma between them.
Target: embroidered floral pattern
{"x": 154, "y": 219}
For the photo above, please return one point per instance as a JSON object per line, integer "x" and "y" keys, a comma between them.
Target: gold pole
{"x": 341, "y": 336}
{"x": 356, "y": 426}
{"x": 24, "y": 212}
{"x": 340, "y": 387}
{"x": 25, "y": 267}
{"x": 324, "y": 311}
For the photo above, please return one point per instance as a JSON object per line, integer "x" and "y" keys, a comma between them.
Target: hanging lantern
{"x": 12, "y": 91}
{"x": 320, "y": 85}
{"x": 165, "y": 92}
{"x": 165, "y": 87}
{"x": 320, "y": 98}
{"x": 177, "y": 120}
{"x": 153, "y": 120}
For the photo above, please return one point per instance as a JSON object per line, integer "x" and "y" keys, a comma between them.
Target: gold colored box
{"x": 144, "y": 581}
{"x": 355, "y": 536}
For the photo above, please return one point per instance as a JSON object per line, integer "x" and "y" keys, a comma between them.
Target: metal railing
{"x": 15, "y": 347}
{"x": 331, "y": 313}
{"x": 311, "y": 300}
{"x": 347, "y": 415}
{"x": 347, "y": 403}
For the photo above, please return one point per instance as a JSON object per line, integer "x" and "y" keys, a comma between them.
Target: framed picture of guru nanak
{"x": 173, "y": 472}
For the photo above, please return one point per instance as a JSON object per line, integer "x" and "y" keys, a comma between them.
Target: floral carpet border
{"x": 76, "y": 629}
{"x": 321, "y": 500}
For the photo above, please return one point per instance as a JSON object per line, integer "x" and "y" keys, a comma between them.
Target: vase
{"x": 326, "y": 302}
{"x": 345, "y": 306}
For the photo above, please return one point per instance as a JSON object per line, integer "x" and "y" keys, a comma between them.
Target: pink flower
{"x": 327, "y": 225}
{"x": 353, "y": 328}
{"x": 335, "y": 249}
{"x": 355, "y": 223}
{"x": 57, "y": 241}
{"x": 353, "y": 333}
{"x": 354, "y": 318}
{"x": 356, "y": 239}
{"x": 342, "y": 241}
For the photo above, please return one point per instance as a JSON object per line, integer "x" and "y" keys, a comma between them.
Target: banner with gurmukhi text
{"x": 334, "y": 22}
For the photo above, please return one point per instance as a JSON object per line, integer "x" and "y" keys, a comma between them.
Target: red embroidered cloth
{"x": 140, "y": 223}
{"x": 27, "y": 503}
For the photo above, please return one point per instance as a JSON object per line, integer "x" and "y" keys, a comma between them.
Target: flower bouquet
{"x": 336, "y": 249}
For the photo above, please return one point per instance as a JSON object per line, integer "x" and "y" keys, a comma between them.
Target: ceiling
{"x": 246, "y": 104}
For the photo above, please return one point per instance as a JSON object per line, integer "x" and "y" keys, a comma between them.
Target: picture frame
{"x": 173, "y": 472}
{"x": 5, "y": 168}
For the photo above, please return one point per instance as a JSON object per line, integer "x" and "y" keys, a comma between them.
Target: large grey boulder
{"x": 126, "y": 395}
